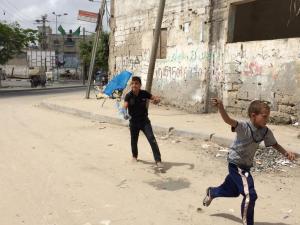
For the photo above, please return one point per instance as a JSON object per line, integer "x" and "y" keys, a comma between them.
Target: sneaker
{"x": 207, "y": 199}
{"x": 159, "y": 165}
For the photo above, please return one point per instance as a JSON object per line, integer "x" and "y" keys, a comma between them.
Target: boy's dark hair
{"x": 136, "y": 78}
{"x": 256, "y": 106}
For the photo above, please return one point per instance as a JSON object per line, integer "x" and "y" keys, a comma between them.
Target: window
{"x": 264, "y": 20}
{"x": 162, "y": 45}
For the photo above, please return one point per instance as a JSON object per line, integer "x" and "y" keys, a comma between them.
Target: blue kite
{"x": 118, "y": 83}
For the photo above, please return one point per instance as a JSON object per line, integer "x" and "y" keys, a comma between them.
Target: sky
{"x": 25, "y": 12}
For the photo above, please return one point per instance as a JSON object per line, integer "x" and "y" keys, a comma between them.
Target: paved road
{"x": 40, "y": 91}
{"x": 64, "y": 170}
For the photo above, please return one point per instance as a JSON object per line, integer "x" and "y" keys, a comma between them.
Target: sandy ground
{"x": 57, "y": 169}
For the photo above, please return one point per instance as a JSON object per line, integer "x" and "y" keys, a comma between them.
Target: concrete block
{"x": 280, "y": 118}
{"x": 236, "y": 86}
{"x": 201, "y": 11}
{"x": 285, "y": 99}
{"x": 234, "y": 110}
{"x": 242, "y": 95}
{"x": 287, "y": 109}
{"x": 253, "y": 94}
{"x": 232, "y": 95}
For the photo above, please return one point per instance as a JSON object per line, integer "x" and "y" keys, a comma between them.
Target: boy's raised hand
{"x": 216, "y": 102}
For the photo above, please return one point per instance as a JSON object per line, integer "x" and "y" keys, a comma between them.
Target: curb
{"x": 225, "y": 142}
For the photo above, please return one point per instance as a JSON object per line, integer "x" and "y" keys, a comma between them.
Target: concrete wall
{"x": 200, "y": 60}
{"x": 17, "y": 66}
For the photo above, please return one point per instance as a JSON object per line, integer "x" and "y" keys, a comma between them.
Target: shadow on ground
{"x": 239, "y": 220}
{"x": 169, "y": 165}
{"x": 170, "y": 184}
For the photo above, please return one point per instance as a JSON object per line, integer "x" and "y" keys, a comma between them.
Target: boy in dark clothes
{"x": 136, "y": 103}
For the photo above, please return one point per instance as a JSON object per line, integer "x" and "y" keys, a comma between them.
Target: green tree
{"x": 13, "y": 39}
{"x": 101, "y": 60}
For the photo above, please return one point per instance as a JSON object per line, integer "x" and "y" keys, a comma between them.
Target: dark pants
{"x": 147, "y": 129}
{"x": 237, "y": 182}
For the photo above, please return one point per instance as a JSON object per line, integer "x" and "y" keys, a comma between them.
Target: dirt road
{"x": 63, "y": 170}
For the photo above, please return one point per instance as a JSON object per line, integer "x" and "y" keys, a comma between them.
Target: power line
{"x": 15, "y": 10}
{"x": 12, "y": 14}
{"x": 19, "y": 11}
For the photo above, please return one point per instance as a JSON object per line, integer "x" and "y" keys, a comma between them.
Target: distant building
{"x": 66, "y": 47}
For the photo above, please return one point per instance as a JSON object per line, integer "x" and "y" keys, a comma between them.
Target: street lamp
{"x": 58, "y": 15}
{"x": 56, "y": 53}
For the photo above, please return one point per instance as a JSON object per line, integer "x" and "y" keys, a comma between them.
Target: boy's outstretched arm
{"x": 219, "y": 104}
{"x": 289, "y": 155}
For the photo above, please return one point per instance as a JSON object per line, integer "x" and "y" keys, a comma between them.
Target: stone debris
{"x": 199, "y": 209}
{"x": 286, "y": 213}
{"x": 269, "y": 159}
{"x": 205, "y": 146}
{"x": 105, "y": 222}
{"x": 221, "y": 149}
{"x": 266, "y": 159}
{"x": 164, "y": 137}
{"x": 222, "y": 152}
{"x": 169, "y": 133}
{"x": 190, "y": 121}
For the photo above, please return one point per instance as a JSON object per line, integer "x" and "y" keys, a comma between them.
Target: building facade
{"x": 237, "y": 50}
{"x": 66, "y": 47}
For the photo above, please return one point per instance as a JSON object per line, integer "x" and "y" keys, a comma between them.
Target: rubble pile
{"x": 269, "y": 159}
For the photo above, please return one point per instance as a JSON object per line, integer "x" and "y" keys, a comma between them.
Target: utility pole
{"x": 84, "y": 63}
{"x": 155, "y": 45}
{"x": 95, "y": 47}
{"x": 209, "y": 59}
{"x": 44, "y": 38}
{"x": 112, "y": 25}
{"x": 43, "y": 33}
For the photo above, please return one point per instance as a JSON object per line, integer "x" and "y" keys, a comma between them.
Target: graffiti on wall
{"x": 132, "y": 62}
{"x": 194, "y": 55}
{"x": 254, "y": 63}
{"x": 175, "y": 73}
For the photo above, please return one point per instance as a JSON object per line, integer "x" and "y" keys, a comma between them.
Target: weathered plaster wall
{"x": 17, "y": 66}
{"x": 266, "y": 70}
{"x": 179, "y": 77}
{"x": 235, "y": 72}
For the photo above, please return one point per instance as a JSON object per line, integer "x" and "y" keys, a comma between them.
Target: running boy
{"x": 240, "y": 157}
{"x": 136, "y": 103}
